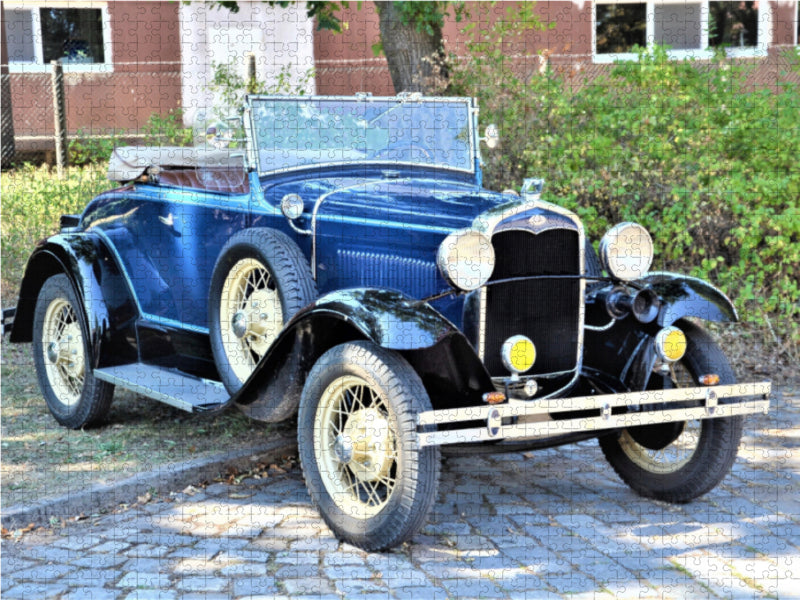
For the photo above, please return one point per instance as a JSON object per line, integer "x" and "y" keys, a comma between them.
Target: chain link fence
{"x": 90, "y": 105}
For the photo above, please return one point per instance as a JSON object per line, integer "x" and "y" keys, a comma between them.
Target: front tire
{"x": 363, "y": 466}
{"x": 63, "y": 360}
{"x": 698, "y": 454}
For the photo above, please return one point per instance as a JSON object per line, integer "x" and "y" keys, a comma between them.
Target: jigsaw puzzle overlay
{"x": 400, "y": 300}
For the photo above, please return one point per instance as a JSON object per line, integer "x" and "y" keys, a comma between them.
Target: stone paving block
{"x": 76, "y": 542}
{"x": 147, "y": 551}
{"x": 147, "y": 565}
{"x": 417, "y": 593}
{"x": 347, "y": 558}
{"x": 92, "y": 593}
{"x": 201, "y": 583}
{"x": 152, "y": 595}
{"x": 93, "y": 577}
{"x": 26, "y": 591}
{"x": 307, "y": 587}
{"x": 253, "y": 586}
{"x": 46, "y": 573}
{"x": 204, "y": 596}
{"x": 11, "y": 564}
{"x": 244, "y": 569}
{"x": 298, "y": 571}
{"x": 99, "y": 561}
{"x": 320, "y": 544}
{"x": 144, "y": 580}
{"x": 112, "y": 547}
{"x": 472, "y": 588}
{"x": 292, "y": 557}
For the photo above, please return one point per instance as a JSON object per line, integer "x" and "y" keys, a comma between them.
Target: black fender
{"x": 448, "y": 366}
{"x": 623, "y": 356}
{"x": 110, "y": 308}
{"x": 683, "y": 296}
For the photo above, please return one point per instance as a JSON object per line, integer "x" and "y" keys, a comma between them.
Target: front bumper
{"x": 520, "y": 419}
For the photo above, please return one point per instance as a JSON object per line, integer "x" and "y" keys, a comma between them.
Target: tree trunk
{"x": 416, "y": 59}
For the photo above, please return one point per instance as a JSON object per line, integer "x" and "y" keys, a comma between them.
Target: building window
{"x": 689, "y": 29}
{"x": 77, "y": 34}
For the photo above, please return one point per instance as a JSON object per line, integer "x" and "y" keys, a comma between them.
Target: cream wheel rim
{"x": 251, "y": 315}
{"x": 355, "y": 446}
{"x": 64, "y": 354}
{"x": 674, "y": 456}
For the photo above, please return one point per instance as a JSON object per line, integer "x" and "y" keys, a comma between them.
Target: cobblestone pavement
{"x": 547, "y": 524}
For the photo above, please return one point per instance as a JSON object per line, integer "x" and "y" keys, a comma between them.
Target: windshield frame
{"x": 253, "y": 150}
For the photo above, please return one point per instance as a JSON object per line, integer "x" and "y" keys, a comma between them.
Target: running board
{"x": 170, "y": 386}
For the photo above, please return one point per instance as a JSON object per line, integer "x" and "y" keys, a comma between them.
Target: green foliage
{"x": 167, "y": 130}
{"x": 707, "y": 163}
{"x": 33, "y": 201}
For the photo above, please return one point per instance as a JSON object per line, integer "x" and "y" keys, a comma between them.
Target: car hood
{"x": 417, "y": 203}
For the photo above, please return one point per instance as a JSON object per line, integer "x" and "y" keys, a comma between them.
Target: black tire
{"x": 715, "y": 442}
{"x": 379, "y": 498}
{"x": 280, "y": 279}
{"x": 63, "y": 363}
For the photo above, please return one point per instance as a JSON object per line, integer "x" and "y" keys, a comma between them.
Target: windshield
{"x": 291, "y": 133}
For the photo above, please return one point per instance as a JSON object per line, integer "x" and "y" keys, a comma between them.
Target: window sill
{"x": 68, "y": 68}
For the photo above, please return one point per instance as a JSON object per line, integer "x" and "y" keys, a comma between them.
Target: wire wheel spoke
{"x": 356, "y": 446}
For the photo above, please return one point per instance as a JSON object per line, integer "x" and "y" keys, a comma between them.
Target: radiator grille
{"x": 372, "y": 269}
{"x": 546, "y": 310}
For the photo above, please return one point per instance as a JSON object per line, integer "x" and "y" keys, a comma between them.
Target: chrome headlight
{"x": 626, "y": 251}
{"x": 466, "y": 259}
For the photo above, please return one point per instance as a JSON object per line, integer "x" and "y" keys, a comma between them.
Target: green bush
{"x": 706, "y": 163}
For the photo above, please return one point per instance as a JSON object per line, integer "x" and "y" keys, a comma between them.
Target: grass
{"x": 41, "y": 458}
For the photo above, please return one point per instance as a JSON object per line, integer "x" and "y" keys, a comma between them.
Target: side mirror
{"x": 491, "y": 136}
{"x": 219, "y": 135}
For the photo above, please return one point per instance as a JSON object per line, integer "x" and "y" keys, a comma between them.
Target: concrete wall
{"x": 281, "y": 38}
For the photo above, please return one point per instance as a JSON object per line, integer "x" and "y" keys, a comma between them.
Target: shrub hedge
{"x": 707, "y": 163}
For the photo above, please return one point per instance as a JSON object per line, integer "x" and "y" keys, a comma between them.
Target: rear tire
{"x": 704, "y": 451}
{"x": 63, "y": 359}
{"x": 357, "y": 438}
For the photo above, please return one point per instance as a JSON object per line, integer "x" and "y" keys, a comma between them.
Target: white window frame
{"x": 760, "y": 50}
{"x": 38, "y": 66}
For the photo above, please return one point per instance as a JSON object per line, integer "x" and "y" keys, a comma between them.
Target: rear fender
{"x": 107, "y": 300}
{"x": 441, "y": 355}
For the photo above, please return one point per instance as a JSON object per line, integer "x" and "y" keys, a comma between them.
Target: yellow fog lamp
{"x": 670, "y": 344}
{"x": 518, "y": 354}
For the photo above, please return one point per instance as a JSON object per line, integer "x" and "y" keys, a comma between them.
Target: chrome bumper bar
{"x": 541, "y": 418}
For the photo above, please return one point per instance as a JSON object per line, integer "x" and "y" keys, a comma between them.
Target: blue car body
{"x": 377, "y": 205}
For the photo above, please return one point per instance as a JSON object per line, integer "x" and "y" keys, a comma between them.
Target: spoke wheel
{"x": 62, "y": 345}
{"x": 357, "y": 440}
{"x": 62, "y": 357}
{"x": 355, "y": 446}
{"x": 679, "y": 464}
{"x": 261, "y": 280}
{"x": 251, "y": 315}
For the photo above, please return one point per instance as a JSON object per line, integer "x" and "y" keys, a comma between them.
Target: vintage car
{"x": 345, "y": 265}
